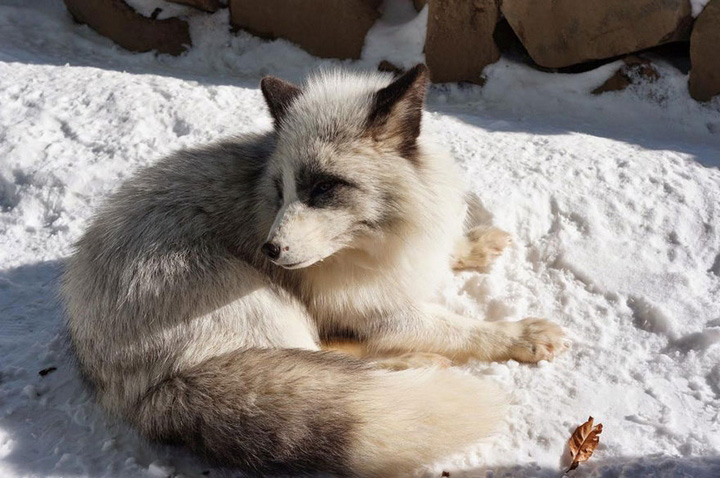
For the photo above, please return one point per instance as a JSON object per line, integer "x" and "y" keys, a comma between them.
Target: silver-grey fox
{"x": 201, "y": 292}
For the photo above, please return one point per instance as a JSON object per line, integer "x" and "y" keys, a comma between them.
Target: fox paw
{"x": 480, "y": 247}
{"x": 413, "y": 360}
{"x": 537, "y": 339}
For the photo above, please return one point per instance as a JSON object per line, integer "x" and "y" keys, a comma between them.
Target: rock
{"x": 206, "y": 5}
{"x": 325, "y": 28}
{"x": 633, "y": 69}
{"x": 704, "y": 55}
{"x": 419, "y": 4}
{"x": 559, "y": 33}
{"x": 459, "y": 41}
{"x": 123, "y": 25}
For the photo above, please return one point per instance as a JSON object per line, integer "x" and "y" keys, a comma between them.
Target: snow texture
{"x": 613, "y": 201}
{"x": 697, "y": 6}
{"x": 165, "y": 9}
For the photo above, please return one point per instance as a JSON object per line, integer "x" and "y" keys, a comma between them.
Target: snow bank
{"x": 613, "y": 201}
{"x": 697, "y": 6}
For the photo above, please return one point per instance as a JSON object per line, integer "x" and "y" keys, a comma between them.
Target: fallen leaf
{"x": 583, "y": 442}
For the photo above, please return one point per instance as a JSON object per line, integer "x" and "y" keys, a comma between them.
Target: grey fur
{"x": 191, "y": 334}
{"x": 273, "y": 417}
{"x": 166, "y": 249}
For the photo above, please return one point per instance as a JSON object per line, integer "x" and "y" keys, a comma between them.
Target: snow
{"x": 613, "y": 202}
{"x": 398, "y": 36}
{"x": 167, "y": 9}
{"x": 697, "y": 6}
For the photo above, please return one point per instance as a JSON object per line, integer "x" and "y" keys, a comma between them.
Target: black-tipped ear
{"x": 396, "y": 113}
{"x": 279, "y": 95}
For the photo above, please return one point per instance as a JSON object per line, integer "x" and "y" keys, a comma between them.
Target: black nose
{"x": 271, "y": 250}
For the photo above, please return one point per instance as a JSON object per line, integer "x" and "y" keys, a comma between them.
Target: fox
{"x": 267, "y": 300}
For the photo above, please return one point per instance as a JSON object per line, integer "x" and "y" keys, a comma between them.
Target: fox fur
{"x": 199, "y": 296}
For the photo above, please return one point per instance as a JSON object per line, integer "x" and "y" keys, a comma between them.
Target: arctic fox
{"x": 201, "y": 294}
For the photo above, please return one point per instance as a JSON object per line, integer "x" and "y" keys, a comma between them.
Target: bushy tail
{"x": 299, "y": 410}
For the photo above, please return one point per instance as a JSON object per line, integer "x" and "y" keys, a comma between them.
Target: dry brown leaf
{"x": 583, "y": 442}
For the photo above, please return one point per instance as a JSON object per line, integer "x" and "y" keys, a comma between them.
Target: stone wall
{"x": 462, "y": 35}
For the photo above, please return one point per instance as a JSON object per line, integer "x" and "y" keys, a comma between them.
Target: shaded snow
{"x": 697, "y": 6}
{"x": 613, "y": 201}
{"x": 164, "y": 9}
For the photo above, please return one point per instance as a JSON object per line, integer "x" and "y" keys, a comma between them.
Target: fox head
{"x": 345, "y": 161}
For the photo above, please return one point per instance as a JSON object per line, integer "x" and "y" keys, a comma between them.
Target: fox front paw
{"x": 537, "y": 339}
{"x": 480, "y": 247}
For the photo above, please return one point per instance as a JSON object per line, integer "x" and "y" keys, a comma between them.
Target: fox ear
{"x": 279, "y": 95}
{"x": 397, "y": 111}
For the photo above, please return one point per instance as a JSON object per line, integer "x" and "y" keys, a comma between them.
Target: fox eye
{"x": 323, "y": 188}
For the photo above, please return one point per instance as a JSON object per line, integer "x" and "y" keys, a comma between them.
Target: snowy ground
{"x": 614, "y": 203}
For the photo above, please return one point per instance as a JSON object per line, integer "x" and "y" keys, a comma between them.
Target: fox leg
{"x": 436, "y": 330}
{"x": 390, "y": 362}
{"x": 479, "y": 247}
